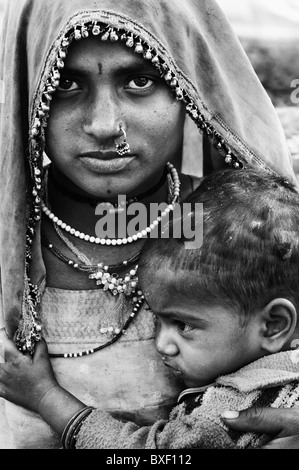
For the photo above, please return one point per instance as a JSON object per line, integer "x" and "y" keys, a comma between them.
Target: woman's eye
{"x": 140, "y": 83}
{"x": 66, "y": 84}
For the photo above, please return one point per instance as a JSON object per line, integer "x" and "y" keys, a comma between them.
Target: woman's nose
{"x": 102, "y": 116}
{"x": 165, "y": 344}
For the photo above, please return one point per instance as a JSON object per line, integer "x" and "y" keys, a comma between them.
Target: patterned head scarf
{"x": 195, "y": 50}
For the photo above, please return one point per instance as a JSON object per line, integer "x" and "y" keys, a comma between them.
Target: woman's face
{"x": 104, "y": 85}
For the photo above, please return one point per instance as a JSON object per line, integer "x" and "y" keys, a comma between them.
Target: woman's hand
{"x": 281, "y": 423}
{"x": 25, "y": 380}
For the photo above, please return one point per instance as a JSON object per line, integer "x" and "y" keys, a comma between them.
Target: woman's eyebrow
{"x": 137, "y": 67}
{"x": 134, "y": 68}
{"x": 130, "y": 68}
{"x": 78, "y": 71}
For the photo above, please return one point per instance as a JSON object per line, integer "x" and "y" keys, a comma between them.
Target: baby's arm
{"x": 30, "y": 382}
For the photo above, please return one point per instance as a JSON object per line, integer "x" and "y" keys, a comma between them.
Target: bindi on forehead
{"x": 100, "y": 67}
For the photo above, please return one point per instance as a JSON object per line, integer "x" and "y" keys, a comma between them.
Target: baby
{"x": 226, "y": 323}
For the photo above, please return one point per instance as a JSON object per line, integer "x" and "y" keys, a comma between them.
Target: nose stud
{"x": 122, "y": 148}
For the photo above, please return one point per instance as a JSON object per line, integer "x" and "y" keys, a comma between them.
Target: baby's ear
{"x": 279, "y": 319}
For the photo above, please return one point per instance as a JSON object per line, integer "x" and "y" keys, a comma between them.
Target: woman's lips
{"x": 105, "y": 162}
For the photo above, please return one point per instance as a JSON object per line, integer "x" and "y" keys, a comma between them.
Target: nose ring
{"x": 122, "y": 148}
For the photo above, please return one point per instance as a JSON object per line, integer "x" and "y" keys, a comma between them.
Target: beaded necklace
{"x": 107, "y": 282}
{"x": 100, "y": 273}
{"x": 116, "y": 287}
{"x": 174, "y": 190}
{"x": 117, "y": 334}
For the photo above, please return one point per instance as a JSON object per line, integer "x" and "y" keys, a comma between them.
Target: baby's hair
{"x": 250, "y": 250}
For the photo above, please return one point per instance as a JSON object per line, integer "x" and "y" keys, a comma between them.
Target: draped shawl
{"x": 196, "y": 51}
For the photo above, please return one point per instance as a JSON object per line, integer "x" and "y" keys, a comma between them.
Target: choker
{"x": 93, "y": 202}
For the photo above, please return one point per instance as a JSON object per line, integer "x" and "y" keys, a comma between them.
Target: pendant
{"x": 112, "y": 282}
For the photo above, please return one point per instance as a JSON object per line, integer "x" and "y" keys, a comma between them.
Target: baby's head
{"x": 234, "y": 299}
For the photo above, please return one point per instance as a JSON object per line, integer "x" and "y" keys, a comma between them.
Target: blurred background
{"x": 269, "y": 33}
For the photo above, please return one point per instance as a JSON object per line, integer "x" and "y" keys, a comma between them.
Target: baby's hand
{"x": 25, "y": 380}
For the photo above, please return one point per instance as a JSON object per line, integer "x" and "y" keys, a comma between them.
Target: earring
{"x": 123, "y": 148}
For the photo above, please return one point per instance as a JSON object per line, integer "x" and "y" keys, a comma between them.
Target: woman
{"x": 102, "y": 89}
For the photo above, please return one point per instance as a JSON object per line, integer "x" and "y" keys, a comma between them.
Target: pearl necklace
{"x": 121, "y": 241}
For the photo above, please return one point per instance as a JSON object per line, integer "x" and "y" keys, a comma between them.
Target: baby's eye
{"x": 181, "y": 326}
{"x": 140, "y": 83}
{"x": 67, "y": 84}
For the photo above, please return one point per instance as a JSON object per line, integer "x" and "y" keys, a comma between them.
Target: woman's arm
{"x": 281, "y": 423}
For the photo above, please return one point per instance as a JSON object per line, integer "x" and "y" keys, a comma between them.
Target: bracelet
{"x": 70, "y": 432}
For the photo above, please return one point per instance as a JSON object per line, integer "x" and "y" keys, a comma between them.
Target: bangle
{"x": 70, "y": 432}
